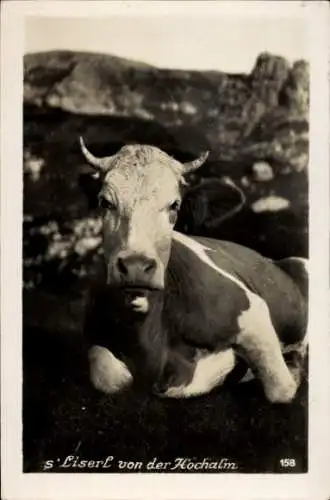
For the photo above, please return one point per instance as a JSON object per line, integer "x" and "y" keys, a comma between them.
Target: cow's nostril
{"x": 150, "y": 266}
{"x": 122, "y": 268}
{"x": 135, "y": 267}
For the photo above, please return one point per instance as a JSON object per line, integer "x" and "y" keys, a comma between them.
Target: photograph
{"x": 166, "y": 245}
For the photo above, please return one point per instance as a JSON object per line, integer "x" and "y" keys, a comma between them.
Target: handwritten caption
{"x": 73, "y": 462}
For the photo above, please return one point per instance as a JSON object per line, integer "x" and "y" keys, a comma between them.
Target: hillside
{"x": 261, "y": 115}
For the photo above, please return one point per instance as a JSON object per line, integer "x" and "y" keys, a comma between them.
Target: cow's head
{"x": 140, "y": 195}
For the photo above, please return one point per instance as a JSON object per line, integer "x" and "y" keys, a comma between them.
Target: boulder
{"x": 262, "y": 171}
{"x": 226, "y": 113}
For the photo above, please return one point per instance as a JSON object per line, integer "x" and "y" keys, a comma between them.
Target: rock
{"x": 33, "y": 166}
{"x": 270, "y": 67}
{"x": 281, "y": 138}
{"x": 262, "y": 171}
{"x": 268, "y": 76}
{"x": 245, "y": 181}
{"x": 295, "y": 91}
{"x": 270, "y": 204}
{"x": 85, "y": 245}
{"x": 222, "y": 112}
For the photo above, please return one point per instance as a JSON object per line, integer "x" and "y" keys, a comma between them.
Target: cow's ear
{"x": 209, "y": 204}
{"x": 90, "y": 185}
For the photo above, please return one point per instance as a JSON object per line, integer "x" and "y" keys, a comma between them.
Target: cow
{"x": 173, "y": 313}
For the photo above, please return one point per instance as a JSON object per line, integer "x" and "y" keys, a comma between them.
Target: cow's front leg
{"x": 259, "y": 344}
{"x": 107, "y": 373}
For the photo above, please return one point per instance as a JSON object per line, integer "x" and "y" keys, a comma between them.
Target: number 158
{"x": 288, "y": 462}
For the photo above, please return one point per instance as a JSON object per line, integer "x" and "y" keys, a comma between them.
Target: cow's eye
{"x": 106, "y": 204}
{"x": 174, "y": 206}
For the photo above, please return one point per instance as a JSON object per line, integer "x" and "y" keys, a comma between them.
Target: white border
{"x": 16, "y": 485}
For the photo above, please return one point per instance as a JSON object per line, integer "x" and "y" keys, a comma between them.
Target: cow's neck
{"x": 140, "y": 340}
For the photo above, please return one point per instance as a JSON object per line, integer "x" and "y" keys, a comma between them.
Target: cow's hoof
{"x": 107, "y": 373}
{"x": 162, "y": 389}
{"x": 282, "y": 394}
{"x": 159, "y": 389}
{"x": 177, "y": 374}
{"x": 173, "y": 392}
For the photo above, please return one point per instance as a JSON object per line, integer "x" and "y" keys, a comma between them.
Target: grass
{"x": 64, "y": 416}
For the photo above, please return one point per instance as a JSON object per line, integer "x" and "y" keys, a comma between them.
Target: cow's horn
{"x": 100, "y": 164}
{"x": 195, "y": 164}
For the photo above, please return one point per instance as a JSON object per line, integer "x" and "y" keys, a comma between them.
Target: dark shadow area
{"x": 64, "y": 417}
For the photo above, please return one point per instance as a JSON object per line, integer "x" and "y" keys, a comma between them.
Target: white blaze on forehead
{"x": 139, "y": 168}
{"x": 147, "y": 185}
{"x": 200, "y": 251}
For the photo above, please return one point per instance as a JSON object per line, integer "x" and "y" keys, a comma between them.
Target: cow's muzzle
{"x": 136, "y": 271}
{"x": 135, "y": 268}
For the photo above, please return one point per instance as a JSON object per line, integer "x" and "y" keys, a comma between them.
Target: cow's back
{"x": 287, "y": 305}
